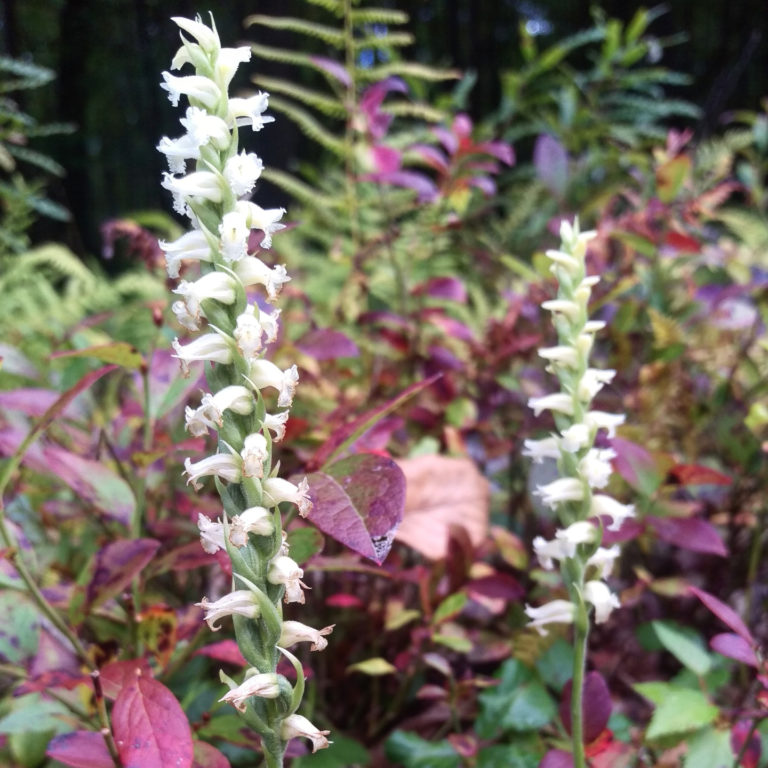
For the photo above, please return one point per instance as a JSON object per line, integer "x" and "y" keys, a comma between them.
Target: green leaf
{"x": 509, "y": 756}
{"x": 678, "y": 710}
{"x": 374, "y": 667}
{"x": 304, "y": 542}
{"x": 343, "y": 753}
{"x": 709, "y": 748}
{"x": 556, "y": 664}
{"x": 119, "y": 352}
{"x": 18, "y": 627}
{"x": 519, "y": 703}
{"x": 412, "y": 751}
{"x": 33, "y": 713}
{"x": 684, "y": 644}
{"x": 450, "y": 607}
{"x": 454, "y": 642}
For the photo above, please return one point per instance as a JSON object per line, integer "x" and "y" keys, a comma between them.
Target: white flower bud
{"x": 554, "y": 612}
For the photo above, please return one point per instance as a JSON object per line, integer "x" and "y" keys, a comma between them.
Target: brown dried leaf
{"x": 442, "y": 492}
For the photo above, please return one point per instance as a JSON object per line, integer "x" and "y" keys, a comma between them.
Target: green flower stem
{"x": 580, "y": 639}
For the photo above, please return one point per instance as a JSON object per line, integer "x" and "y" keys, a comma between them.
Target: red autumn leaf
{"x": 225, "y": 651}
{"x": 150, "y": 727}
{"x": 118, "y": 674}
{"x": 734, "y": 647}
{"x": 344, "y": 600}
{"x": 498, "y": 585}
{"x": 207, "y": 756}
{"x": 682, "y": 242}
{"x": 327, "y": 344}
{"x": 695, "y": 474}
{"x": 556, "y": 758}
{"x": 725, "y": 613}
{"x": 750, "y": 757}
{"x": 597, "y": 706}
{"x": 80, "y": 749}
{"x": 689, "y": 533}
{"x": 116, "y": 566}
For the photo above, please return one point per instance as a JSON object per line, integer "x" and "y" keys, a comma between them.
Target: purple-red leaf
{"x": 725, "y": 613}
{"x": 80, "y": 749}
{"x": 597, "y": 706}
{"x": 689, "y": 533}
{"x": 327, "y": 344}
{"x": 734, "y": 647}
{"x": 359, "y": 501}
{"x": 207, "y": 756}
{"x": 332, "y": 68}
{"x": 556, "y": 758}
{"x": 116, "y": 566}
{"x": 225, "y": 651}
{"x": 150, "y": 727}
{"x": 636, "y": 465}
{"x": 749, "y": 751}
{"x": 94, "y": 482}
{"x": 695, "y": 474}
{"x": 32, "y": 401}
{"x": 497, "y": 585}
{"x": 442, "y": 288}
{"x": 551, "y": 162}
{"x": 385, "y": 159}
{"x": 120, "y": 674}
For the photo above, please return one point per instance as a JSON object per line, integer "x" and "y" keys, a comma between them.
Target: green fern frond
{"x": 308, "y": 125}
{"x": 415, "y": 109}
{"x": 285, "y": 56}
{"x": 36, "y": 158}
{"x": 388, "y": 40}
{"x": 308, "y": 28}
{"x": 377, "y": 16}
{"x": 302, "y": 192}
{"x": 408, "y": 69}
{"x": 749, "y": 227}
{"x": 334, "y": 6}
{"x": 307, "y": 96}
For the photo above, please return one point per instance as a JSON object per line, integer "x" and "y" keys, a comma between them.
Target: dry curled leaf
{"x": 442, "y": 492}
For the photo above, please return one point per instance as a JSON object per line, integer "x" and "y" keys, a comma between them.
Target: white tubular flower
{"x": 255, "y": 452}
{"x": 264, "y": 373}
{"x": 196, "y": 87}
{"x": 593, "y": 326}
{"x": 178, "y": 151}
{"x": 603, "y": 560}
{"x": 211, "y": 347}
{"x": 191, "y": 246}
{"x": 227, "y": 466}
{"x": 284, "y": 570}
{"x": 227, "y": 62}
{"x": 564, "y": 307}
{"x": 234, "y": 236}
{"x": 554, "y": 612}
{"x": 538, "y": 450}
{"x": 211, "y": 534}
{"x": 576, "y": 242}
{"x": 603, "y": 505}
{"x": 206, "y": 37}
{"x": 256, "y": 520}
{"x": 255, "y": 328}
{"x": 596, "y": 466}
{"x": 203, "y": 127}
{"x": 183, "y": 316}
{"x": 603, "y": 420}
{"x": 265, "y": 686}
{"x": 548, "y": 551}
{"x": 217, "y": 286}
{"x": 601, "y": 597}
{"x": 275, "y": 422}
{"x": 561, "y": 355}
{"x": 240, "y": 602}
{"x": 574, "y": 438}
{"x": 565, "y": 260}
{"x": 295, "y": 632}
{"x": 250, "y": 111}
{"x": 241, "y": 172}
{"x": 560, "y": 491}
{"x": 209, "y": 415}
{"x": 253, "y": 271}
{"x": 557, "y": 401}
{"x": 203, "y": 184}
{"x": 298, "y": 725}
{"x": 580, "y": 532}
{"x": 265, "y": 219}
{"x": 593, "y": 380}
{"x": 277, "y": 490}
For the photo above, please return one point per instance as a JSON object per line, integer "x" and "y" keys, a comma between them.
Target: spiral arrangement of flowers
{"x": 241, "y": 406}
